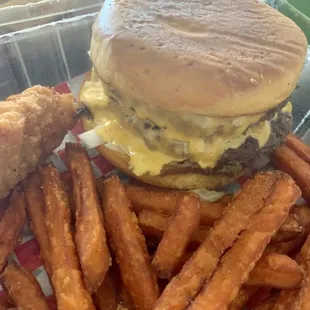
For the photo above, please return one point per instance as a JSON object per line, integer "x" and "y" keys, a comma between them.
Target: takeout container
{"x": 51, "y": 53}
{"x": 297, "y": 10}
{"x": 44, "y": 43}
{"x": 28, "y": 254}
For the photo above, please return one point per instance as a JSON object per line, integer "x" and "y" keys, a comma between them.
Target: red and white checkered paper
{"x": 27, "y": 254}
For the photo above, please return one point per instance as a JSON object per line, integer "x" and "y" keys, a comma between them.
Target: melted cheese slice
{"x": 144, "y": 160}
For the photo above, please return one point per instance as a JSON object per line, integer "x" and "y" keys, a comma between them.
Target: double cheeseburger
{"x": 187, "y": 93}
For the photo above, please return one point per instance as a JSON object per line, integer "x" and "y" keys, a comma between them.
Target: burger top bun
{"x": 212, "y": 57}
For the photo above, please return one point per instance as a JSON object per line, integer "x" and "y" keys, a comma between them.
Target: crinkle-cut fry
{"x": 106, "y": 295}
{"x": 35, "y": 206}
{"x": 238, "y": 262}
{"x": 12, "y": 224}
{"x": 166, "y": 201}
{"x": 238, "y": 215}
{"x": 299, "y": 147}
{"x": 287, "y": 160}
{"x": 154, "y": 224}
{"x": 129, "y": 246}
{"x": 68, "y": 284}
{"x": 23, "y": 288}
{"x": 244, "y": 295}
{"x": 180, "y": 229}
{"x": 90, "y": 237}
{"x": 276, "y": 270}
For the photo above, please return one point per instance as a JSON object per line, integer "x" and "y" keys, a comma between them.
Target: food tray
{"x": 72, "y": 64}
{"x": 20, "y": 17}
{"x": 297, "y": 10}
{"x": 44, "y": 43}
{"x": 27, "y": 253}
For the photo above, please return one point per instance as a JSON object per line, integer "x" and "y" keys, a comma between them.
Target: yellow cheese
{"x": 144, "y": 160}
{"x": 288, "y": 108}
{"x": 210, "y": 125}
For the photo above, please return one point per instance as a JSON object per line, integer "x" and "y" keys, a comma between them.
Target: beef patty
{"x": 233, "y": 161}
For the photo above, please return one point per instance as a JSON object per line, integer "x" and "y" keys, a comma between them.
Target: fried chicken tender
{"x": 32, "y": 125}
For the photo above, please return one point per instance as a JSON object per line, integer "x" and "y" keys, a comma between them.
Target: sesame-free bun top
{"x": 212, "y": 57}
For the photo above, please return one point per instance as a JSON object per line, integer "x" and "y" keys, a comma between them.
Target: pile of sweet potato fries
{"x": 108, "y": 245}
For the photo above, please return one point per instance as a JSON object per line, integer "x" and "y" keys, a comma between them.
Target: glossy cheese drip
{"x": 144, "y": 160}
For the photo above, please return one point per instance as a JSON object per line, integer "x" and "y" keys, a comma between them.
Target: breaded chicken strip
{"x": 32, "y": 125}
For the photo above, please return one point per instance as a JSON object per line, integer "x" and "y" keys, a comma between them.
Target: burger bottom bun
{"x": 180, "y": 180}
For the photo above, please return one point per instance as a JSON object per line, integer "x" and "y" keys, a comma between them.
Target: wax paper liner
{"x": 27, "y": 254}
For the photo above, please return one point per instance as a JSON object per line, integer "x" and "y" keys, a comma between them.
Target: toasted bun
{"x": 180, "y": 180}
{"x": 217, "y": 58}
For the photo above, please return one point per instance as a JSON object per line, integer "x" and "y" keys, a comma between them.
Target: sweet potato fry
{"x": 90, "y": 235}
{"x": 106, "y": 296}
{"x": 12, "y": 224}
{"x": 166, "y": 202}
{"x": 299, "y": 147}
{"x": 300, "y": 300}
{"x": 267, "y": 304}
{"x": 69, "y": 287}
{"x": 296, "y": 224}
{"x": 243, "y": 297}
{"x": 237, "y": 263}
{"x": 259, "y": 296}
{"x": 302, "y": 214}
{"x": 225, "y": 200}
{"x": 285, "y": 300}
{"x": 287, "y": 247}
{"x": 70, "y": 191}
{"x": 3, "y": 306}
{"x": 288, "y": 161}
{"x": 177, "y": 236}
{"x": 276, "y": 270}
{"x": 126, "y": 301}
{"x": 184, "y": 286}
{"x": 154, "y": 224}
{"x": 290, "y": 229}
{"x": 23, "y": 288}
{"x": 35, "y": 206}
{"x": 129, "y": 245}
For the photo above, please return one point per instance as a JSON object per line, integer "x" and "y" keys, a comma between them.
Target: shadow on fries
{"x": 107, "y": 245}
